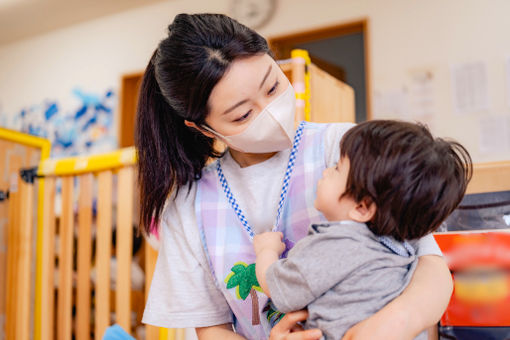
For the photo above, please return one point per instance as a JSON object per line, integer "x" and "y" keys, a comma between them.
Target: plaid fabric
{"x": 225, "y": 232}
{"x": 283, "y": 193}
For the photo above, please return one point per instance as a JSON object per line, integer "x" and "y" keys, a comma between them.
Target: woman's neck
{"x": 246, "y": 159}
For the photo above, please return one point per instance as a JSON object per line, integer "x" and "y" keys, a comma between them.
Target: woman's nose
{"x": 261, "y": 104}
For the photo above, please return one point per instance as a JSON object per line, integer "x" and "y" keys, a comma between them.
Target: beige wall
{"x": 404, "y": 36}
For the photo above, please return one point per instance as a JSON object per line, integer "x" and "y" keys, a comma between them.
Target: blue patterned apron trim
{"x": 285, "y": 186}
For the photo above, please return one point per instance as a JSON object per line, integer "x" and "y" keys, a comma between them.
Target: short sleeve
{"x": 289, "y": 288}
{"x": 426, "y": 245}
{"x": 183, "y": 292}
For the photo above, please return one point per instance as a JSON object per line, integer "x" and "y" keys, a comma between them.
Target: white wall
{"x": 404, "y": 35}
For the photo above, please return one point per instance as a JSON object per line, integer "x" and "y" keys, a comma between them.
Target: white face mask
{"x": 272, "y": 130}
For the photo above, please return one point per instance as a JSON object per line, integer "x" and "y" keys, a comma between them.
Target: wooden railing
{"x": 92, "y": 177}
{"x": 18, "y": 150}
{"x": 61, "y": 301}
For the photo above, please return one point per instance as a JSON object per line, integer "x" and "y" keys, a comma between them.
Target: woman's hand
{"x": 415, "y": 310}
{"x": 288, "y": 328}
{"x": 376, "y": 327}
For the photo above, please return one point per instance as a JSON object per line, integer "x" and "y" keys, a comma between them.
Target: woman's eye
{"x": 273, "y": 89}
{"x": 243, "y": 117}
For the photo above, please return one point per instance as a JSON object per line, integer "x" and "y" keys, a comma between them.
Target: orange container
{"x": 480, "y": 266}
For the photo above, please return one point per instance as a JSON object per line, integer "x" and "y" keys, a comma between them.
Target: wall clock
{"x": 253, "y": 13}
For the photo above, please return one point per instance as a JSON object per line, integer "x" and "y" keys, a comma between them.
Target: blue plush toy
{"x": 116, "y": 332}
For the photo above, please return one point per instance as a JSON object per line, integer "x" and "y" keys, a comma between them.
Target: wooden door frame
{"x": 285, "y": 42}
{"x": 128, "y": 100}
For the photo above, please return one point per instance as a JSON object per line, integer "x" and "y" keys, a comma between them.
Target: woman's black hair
{"x": 176, "y": 87}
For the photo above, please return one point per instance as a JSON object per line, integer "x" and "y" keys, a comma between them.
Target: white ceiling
{"x": 21, "y": 19}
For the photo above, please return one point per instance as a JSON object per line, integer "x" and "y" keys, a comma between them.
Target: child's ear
{"x": 363, "y": 211}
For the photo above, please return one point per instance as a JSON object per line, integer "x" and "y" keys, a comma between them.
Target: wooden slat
{"x": 4, "y": 209}
{"x": 4, "y": 206}
{"x": 103, "y": 254}
{"x": 124, "y": 246}
{"x": 16, "y": 161}
{"x": 298, "y": 82}
{"x": 151, "y": 255}
{"x": 172, "y": 334}
{"x": 12, "y": 245}
{"x": 24, "y": 259}
{"x": 167, "y": 334}
{"x": 65, "y": 261}
{"x": 47, "y": 288}
{"x": 180, "y": 334}
{"x": 84, "y": 257}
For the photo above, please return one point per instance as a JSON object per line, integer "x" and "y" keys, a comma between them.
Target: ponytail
{"x": 170, "y": 154}
{"x": 176, "y": 87}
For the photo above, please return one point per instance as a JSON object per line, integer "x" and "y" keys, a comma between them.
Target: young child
{"x": 394, "y": 182}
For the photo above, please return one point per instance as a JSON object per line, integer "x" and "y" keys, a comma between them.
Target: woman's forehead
{"x": 241, "y": 81}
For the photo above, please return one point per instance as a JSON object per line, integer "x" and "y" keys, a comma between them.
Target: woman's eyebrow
{"x": 265, "y": 77}
{"x": 234, "y": 106}
{"x": 245, "y": 100}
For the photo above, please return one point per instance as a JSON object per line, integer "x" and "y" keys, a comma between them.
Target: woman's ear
{"x": 195, "y": 126}
{"x": 363, "y": 211}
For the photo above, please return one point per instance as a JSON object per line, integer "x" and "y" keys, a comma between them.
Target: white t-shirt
{"x": 183, "y": 293}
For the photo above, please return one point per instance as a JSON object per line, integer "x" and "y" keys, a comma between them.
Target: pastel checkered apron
{"x": 227, "y": 236}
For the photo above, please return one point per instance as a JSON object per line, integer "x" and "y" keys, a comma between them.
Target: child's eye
{"x": 273, "y": 89}
{"x": 240, "y": 119}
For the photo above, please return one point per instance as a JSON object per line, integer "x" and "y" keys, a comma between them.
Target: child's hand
{"x": 271, "y": 241}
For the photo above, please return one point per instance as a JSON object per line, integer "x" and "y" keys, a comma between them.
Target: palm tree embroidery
{"x": 244, "y": 279}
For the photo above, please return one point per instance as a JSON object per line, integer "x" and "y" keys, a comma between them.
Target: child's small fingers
{"x": 297, "y": 328}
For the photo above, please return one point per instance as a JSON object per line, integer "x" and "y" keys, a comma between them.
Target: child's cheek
{"x": 316, "y": 202}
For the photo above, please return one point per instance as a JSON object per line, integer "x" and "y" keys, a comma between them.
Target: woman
{"x": 213, "y": 78}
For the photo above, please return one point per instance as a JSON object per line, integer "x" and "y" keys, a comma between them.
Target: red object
{"x": 480, "y": 265}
